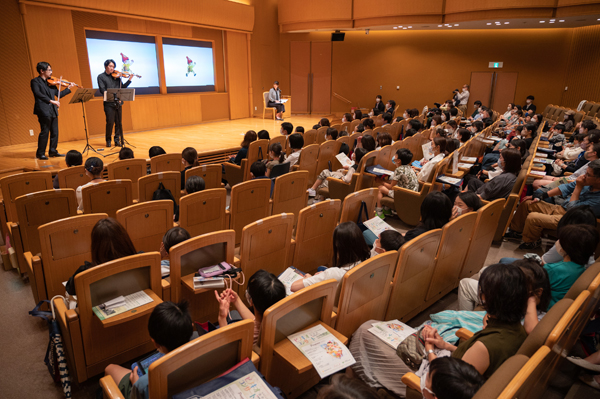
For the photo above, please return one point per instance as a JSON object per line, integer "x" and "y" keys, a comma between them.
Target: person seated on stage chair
{"x": 296, "y": 142}
{"x": 299, "y": 129}
{"x": 275, "y": 101}
{"x": 170, "y": 326}
{"x": 172, "y": 237}
{"x": 286, "y": 128}
{"x": 93, "y": 169}
{"x": 343, "y": 133}
{"x": 189, "y": 159}
{"x": 249, "y": 137}
{"x": 331, "y": 134}
{"x": 276, "y": 157}
{"x": 388, "y": 240}
{"x": 73, "y": 158}
{"x": 125, "y": 153}
{"x": 263, "y": 135}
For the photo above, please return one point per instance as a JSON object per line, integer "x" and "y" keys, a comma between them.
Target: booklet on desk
{"x": 378, "y": 170}
{"x": 121, "y": 304}
{"x": 209, "y": 282}
{"x": 391, "y": 332}
{"x": 449, "y": 180}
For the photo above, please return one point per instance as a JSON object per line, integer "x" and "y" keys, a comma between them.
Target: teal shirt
{"x": 562, "y": 276}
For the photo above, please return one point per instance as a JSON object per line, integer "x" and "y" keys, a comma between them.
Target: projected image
{"x": 132, "y": 53}
{"x": 189, "y": 65}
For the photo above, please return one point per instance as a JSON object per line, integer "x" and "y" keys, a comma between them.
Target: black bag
{"x": 161, "y": 193}
{"x": 70, "y": 287}
{"x": 368, "y": 235}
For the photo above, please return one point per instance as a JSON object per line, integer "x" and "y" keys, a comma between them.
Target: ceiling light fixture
{"x": 455, "y": 24}
{"x": 551, "y": 22}
{"x": 439, "y": 26}
{"x": 489, "y": 23}
{"x": 541, "y": 22}
{"x": 562, "y": 20}
{"x": 506, "y": 23}
{"x": 404, "y": 28}
{"x": 395, "y": 27}
{"x": 410, "y": 27}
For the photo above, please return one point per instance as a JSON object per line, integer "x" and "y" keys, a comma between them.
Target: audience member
{"x": 451, "y": 378}
{"x": 388, "y": 240}
{"x": 344, "y": 174}
{"x": 331, "y": 134}
{"x": 296, "y": 142}
{"x": 189, "y": 159}
{"x": 404, "y": 177}
{"x": 172, "y": 237}
{"x": 93, "y": 169}
{"x": 383, "y": 139}
{"x": 125, "y": 153}
{"x": 464, "y": 203}
{"x": 263, "y": 135}
{"x": 436, "y": 211}
{"x": 501, "y": 185}
{"x": 438, "y": 148}
{"x": 249, "y": 137}
{"x": 258, "y": 170}
{"x": 286, "y": 128}
{"x": 73, "y": 158}
{"x": 299, "y": 129}
{"x": 276, "y": 157}
{"x": 379, "y": 107}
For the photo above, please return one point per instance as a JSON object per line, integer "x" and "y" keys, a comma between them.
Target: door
{"x": 310, "y": 77}
{"x": 300, "y": 76}
{"x": 505, "y": 86}
{"x": 480, "y": 89}
{"x": 494, "y": 89}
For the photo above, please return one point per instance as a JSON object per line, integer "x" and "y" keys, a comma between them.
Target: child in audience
{"x": 438, "y": 146}
{"x": 347, "y": 117}
{"x": 331, "y": 134}
{"x": 93, "y": 169}
{"x": 258, "y": 170}
{"x": 193, "y": 184}
{"x": 410, "y": 133}
{"x": 152, "y": 152}
{"x": 264, "y": 290}
{"x": 324, "y": 122}
{"x": 464, "y": 203}
{"x": 344, "y": 174}
{"x": 367, "y": 142}
{"x": 450, "y": 378}
{"x": 436, "y": 211}
{"x": 344, "y": 387}
{"x": 571, "y": 153}
{"x": 388, "y": 240}
{"x": 404, "y": 177}
{"x": 263, "y": 135}
{"x": 170, "y": 326}
{"x": 276, "y": 157}
{"x": 189, "y": 159}
{"x": 383, "y": 139}
{"x": 73, "y": 158}
{"x": 125, "y": 153}
{"x": 171, "y": 238}
{"x": 296, "y": 142}
{"x": 299, "y": 129}
{"x": 349, "y": 249}
{"x": 249, "y": 137}
{"x": 286, "y": 128}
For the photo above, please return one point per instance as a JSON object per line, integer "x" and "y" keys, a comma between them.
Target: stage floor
{"x": 204, "y": 137}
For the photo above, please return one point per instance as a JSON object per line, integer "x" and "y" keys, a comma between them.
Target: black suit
{"x": 47, "y": 114}
{"x": 379, "y": 108}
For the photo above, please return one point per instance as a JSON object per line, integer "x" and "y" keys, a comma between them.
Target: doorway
{"x": 310, "y": 80}
{"x": 494, "y": 89}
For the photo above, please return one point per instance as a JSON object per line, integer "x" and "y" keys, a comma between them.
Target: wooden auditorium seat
{"x": 204, "y": 211}
{"x": 146, "y": 223}
{"x": 166, "y": 163}
{"x": 310, "y": 137}
{"x": 308, "y": 161}
{"x": 128, "y": 169}
{"x": 351, "y": 206}
{"x": 338, "y": 189}
{"x": 107, "y": 197}
{"x": 321, "y": 133}
{"x": 72, "y": 177}
{"x": 211, "y": 174}
{"x": 249, "y": 202}
{"x": 348, "y": 141}
{"x": 281, "y": 139}
{"x": 327, "y": 152}
{"x": 257, "y": 151}
{"x": 289, "y": 194}
{"x": 150, "y": 183}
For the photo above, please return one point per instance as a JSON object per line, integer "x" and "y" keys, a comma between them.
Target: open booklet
{"x": 377, "y": 225}
{"x": 250, "y": 386}
{"x": 391, "y": 332}
{"x": 344, "y": 160}
{"x": 327, "y": 353}
{"x": 288, "y": 277}
{"x": 121, "y": 304}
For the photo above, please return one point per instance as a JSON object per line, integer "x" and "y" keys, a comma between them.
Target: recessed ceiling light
{"x": 506, "y": 23}
{"x": 551, "y": 22}
{"x": 404, "y": 28}
{"x": 400, "y": 26}
{"x": 489, "y": 23}
{"x": 455, "y": 24}
{"x": 410, "y": 27}
{"x": 395, "y": 27}
{"x": 541, "y": 22}
{"x": 562, "y": 20}
{"x": 439, "y": 26}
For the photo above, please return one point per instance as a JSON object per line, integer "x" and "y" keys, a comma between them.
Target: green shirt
{"x": 502, "y": 341}
{"x": 562, "y": 276}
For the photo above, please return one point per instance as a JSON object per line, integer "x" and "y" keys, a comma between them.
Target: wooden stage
{"x": 209, "y": 137}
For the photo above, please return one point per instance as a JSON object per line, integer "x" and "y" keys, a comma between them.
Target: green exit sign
{"x": 496, "y": 64}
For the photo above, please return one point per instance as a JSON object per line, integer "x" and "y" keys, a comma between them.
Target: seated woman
{"x": 450, "y": 378}
{"x": 490, "y": 160}
{"x": 172, "y": 237}
{"x": 276, "y": 157}
{"x": 249, "y": 137}
{"x": 383, "y": 139}
{"x": 367, "y": 142}
{"x": 349, "y": 249}
{"x": 500, "y": 186}
{"x": 438, "y": 148}
{"x": 464, "y": 203}
{"x": 357, "y": 114}
{"x": 503, "y": 289}
{"x": 110, "y": 241}
{"x": 436, "y": 211}
{"x": 404, "y": 176}
{"x": 388, "y": 240}
{"x": 344, "y": 174}
{"x": 93, "y": 169}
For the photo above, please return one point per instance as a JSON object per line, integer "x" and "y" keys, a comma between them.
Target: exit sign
{"x": 496, "y": 64}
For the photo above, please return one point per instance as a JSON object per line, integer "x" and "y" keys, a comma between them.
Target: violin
{"x": 118, "y": 74}
{"x": 53, "y": 81}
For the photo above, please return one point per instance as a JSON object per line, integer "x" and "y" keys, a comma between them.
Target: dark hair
{"x": 194, "y": 184}
{"x": 387, "y": 117}
{"x": 263, "y": 135}
{"x": 368, "y": 143}
{"x": 530, "y": 98}
{"x": 594, "y": 166}
{"x": 359, "y": 153}
{"x": 596, "y": 149}
{"x": 300, "y": 129}
{"x": 391, "y": 240}
{"x": 379, "y": 96}
{"x": 73, "y": 158}
{"x": 368, "y": 123}
{"x": 414, "y": 113}
{"x": 437, "y": 119}
{"x": 519, "y": 111}
{"x": 296, "y": 141}
{"x": 249, "y": 137}
{"x": 579, "y": 241}
{"x": 107, "y": 63}
{"x": 410, "y": 132}
{"x": 258, "y": 169}
{"x": 349, "y": 245}
{"x": 537, "y": 277}
{"x": 276, "y": 82}
{"x": 532, "y": 127}
{"x": 360, "y": 128}
{"x": 436, "y": 210}
{"x": 453, "y": 111}
{"x": 125, "y": 153}
{"x": 581, "y": 214}
{"x": 477, "y": 102}
{"x": 415, "y": 124}
{"x": 278, "y": 151}
{"x": 175, "y": 236}
{"x": 588, "y": 124}
{"x": 503, "y": 292}
{"x": 471, "y": 200}
{"x": 383, "y": 139}
{"x": 348, "y": 116}
{"x": 265, "y": 290}
{"x": 357, "y": 114}
{"x": 324, "y": 122}
{"x": 478, "y": 125}
{"x": 170, "y": 325}
{"x": 451, "y": 145}
{"x": 332, "y": 132}
{"x": 452, "y": 123}
{"x": 465, "y": 135}
{"x": 453, "y": 378}
{"x": 343, "y": 133}
{"x": 344, "y": 387}
{"x": 441, "y": 142}
{"x": 579, "y": 137}
{"x": 440, "y": 132}
{"x": 512, "y": 160}
{"x": 560, "y": 127}
{"x": 594, "y": 136}
{"x": 94, "y": 165}
{"x": 110, "y": 241}
{"x": 404, "y": 155}
{"x": 518, "y": 108}
{"x": 521, "y": 145}
{"x": 287, "y": 127}
{"x": 156, "y": 150}
{"x": 42, "y": 67}
{"x": 190, "y": 155}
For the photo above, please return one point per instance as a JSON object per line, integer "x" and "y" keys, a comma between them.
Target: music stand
{"x": 82, "y": 96}
{"x": 117, "y": 96}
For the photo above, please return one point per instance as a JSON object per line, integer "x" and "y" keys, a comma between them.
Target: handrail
{"x": 341, "y": 98}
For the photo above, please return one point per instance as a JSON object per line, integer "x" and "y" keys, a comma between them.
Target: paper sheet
{"x": 427, "y": 151}
{"x": 344, "y": 160}
{"x": 285, "y": 100}
{"x": 541, "y": 155}
{"x": 543, "y": 160}
{"x": 455, "y": 162}
{"x": 288, "y": 277}
{"x": 132, "y": 301}
{"x": 465, "y": 165}
{"x": 537, "y": 173}
{"x": 383, "y": 171}
{"x": 468, "y": 159}
{"x": 377, "y": 225}
{"x": 391, "y": 332}
{"x": 449, "y": 180}
{"x": 327, "y": 354}
{"x": 250, "y": 386}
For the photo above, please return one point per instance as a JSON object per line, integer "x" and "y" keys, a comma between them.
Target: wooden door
{"x": 320, "y": 66}
{"x": 300, "y": 75}
{"x": 505, "y": 86}
{"x": 480, "y": 89}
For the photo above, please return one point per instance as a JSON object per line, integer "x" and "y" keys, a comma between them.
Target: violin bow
{"x": 59, "y": 87}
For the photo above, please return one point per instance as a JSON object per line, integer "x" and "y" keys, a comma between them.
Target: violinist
{"x": 46, "y": 109}
{"x": 113, "y": 115}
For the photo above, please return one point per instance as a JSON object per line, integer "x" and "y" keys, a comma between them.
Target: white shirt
{"x": 428, "y": 168}
{"x": 463, "y": 97}
{"x": 292, "y": 159}
{"x": 79, "y": 197}
{"x": 336, "y": 273}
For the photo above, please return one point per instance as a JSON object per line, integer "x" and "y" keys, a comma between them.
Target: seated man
{"x": 533, "y": 215}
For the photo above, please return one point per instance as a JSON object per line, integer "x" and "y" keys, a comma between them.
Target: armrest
{"x": 255, "y": 359}
{"x": 463, "y": 333}
{"x": 410, "y": 380}
{"x": 568, "y": 174}
{"x": 3, "y": 218}
{"x": 68, "y": 321}
{"x": 295, "y": 167}
{"x": 110, "y": 388}
{"x": 35, "y": 271}
{"x": 166, "y": 289}
{"x": 236, "y": 262}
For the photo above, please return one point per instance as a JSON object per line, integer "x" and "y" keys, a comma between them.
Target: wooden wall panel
{"x": 238, "y": 82}
{"x": 454, "y": 6}
{"x": 320, "y": 67}
{"x": 215, "y": 107}
{"x": 370, "y": 9}
{"x": 583, "y": 80}
{"x": 181, "y": 30}
{"x": 293, "y": 11}
{"x": 144, "y": 113}
{"x": 299, "y": 75}
{"x": 131, "y": 25}
{"x": 191, "y": 108}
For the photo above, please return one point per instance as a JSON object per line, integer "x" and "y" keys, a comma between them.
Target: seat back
{"x": 365, "y": 292}
{"x": 72, "y": 177}
{"x": 408, "y": 206}
{"x": 567, "y": 331}
{"x": 481, "y": 240}
{"x": 366, "y": 180}
{"x": 413, "y": 276}
{"x": 211, "y": 174}
{"x": 327, "y": 153}
{"x": 584, "y": 281}
{"x": 128, "y": 169}
{"x": 36, "y": 209}
{"x": 384, "y": 158}
{"x": 279, "y": 170}
{"x": 352, "y": 205}
{"x": 150, "y": 183}
{"x": 353, "y": 125}
{"x": 348, "y": 140}
{"x": 249, "y": 203}
{"x": 594, "y": 299}
{"x": 20, "y": 184}
{"x": 289, "y": 194}
{"x": 266, "y": 245}
{"x": 203, "y": 212}
{"x": 166, "y": 163}
{"x": 531, "y": 380}
{"x": 281, "y": 139}
{"x": 346, "y": 126}
{"x": 146, "y": 223}
{"x": 314, "y": 235}
{"x": 321, "y": 132}
{"x": 451, "y": 255}
{"x": 65, "y": 245}
{"x": 257, "y": 151}
{"x": 308, "y": 161}
{"x": 200, "y": 360}
{"x": 125, "y": 336}
{"x": 501, "y": 378}
{"x": 107, "y": 197}
{"x": 310, "y": 137}
{"x": 266, "y": 99}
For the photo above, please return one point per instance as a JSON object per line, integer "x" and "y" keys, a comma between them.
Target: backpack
{"x": 161, "y": 193}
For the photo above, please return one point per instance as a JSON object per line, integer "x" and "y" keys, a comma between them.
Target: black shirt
{"x": 106, "y": 81}
{"x": 43, "y": 94}
{"x": 529, "y": 107}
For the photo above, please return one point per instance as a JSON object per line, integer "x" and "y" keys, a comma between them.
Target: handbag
{"x": 412, "y": 350}
{"x": 369, "y": 236}
{"x": 55, "y": 359}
